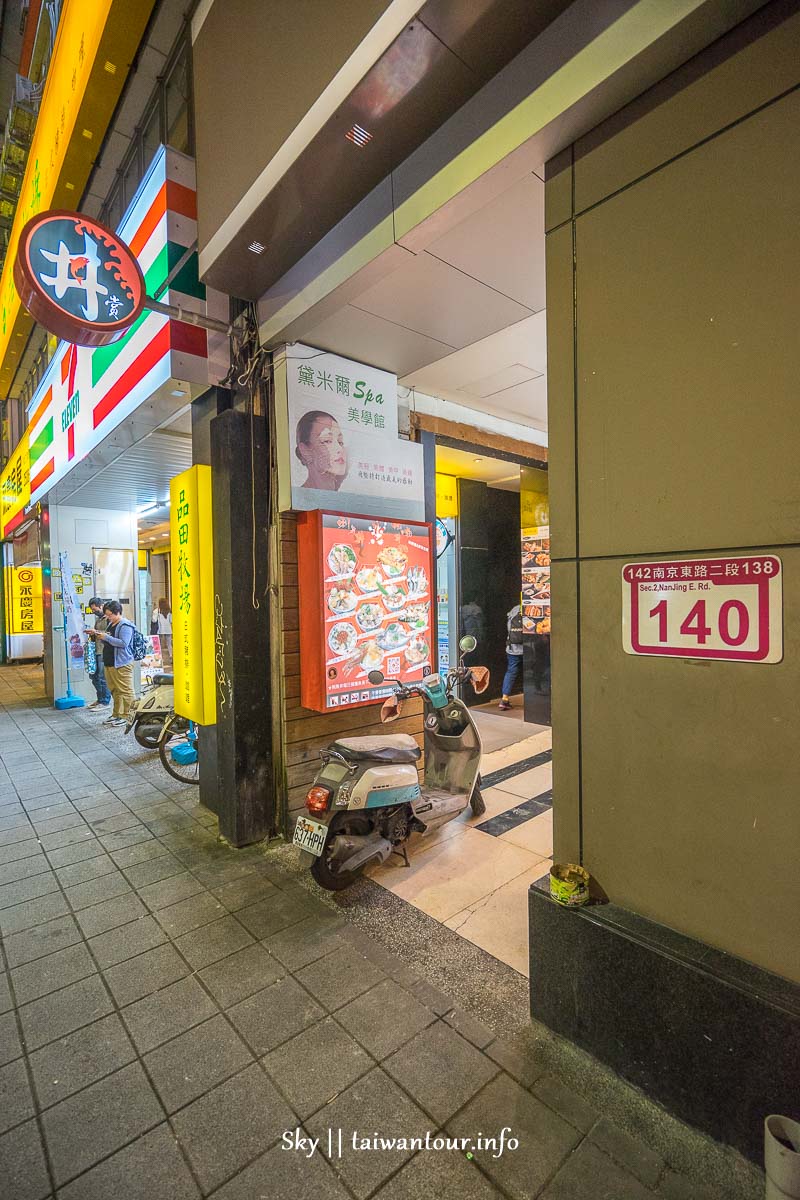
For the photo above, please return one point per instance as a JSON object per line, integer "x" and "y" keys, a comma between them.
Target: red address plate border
{"x": 715, "y": 571}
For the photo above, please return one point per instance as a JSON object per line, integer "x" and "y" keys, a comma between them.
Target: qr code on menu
{"x": 393, "y": 665}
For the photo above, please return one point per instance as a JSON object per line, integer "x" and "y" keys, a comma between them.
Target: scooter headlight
{"x": 318, "y": 799}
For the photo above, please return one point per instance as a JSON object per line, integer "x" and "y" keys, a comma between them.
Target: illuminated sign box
{"x": 365, "y": 605}
{"x": 192, "y": 577}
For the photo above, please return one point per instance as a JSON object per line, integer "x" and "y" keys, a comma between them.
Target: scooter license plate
{"x": 310, "y": 835}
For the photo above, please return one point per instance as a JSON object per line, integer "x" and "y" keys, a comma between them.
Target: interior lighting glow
{"x": 358, "y": 136}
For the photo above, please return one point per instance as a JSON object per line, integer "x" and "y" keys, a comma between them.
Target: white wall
{"x": 80, "y": 531}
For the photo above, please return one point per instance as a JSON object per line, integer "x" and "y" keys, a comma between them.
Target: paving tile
{"x": 366, "y": 1018}
{"x": 373, "y": 1102}
{"x": 115, "y": 842}
{"x": 6, "y": 1003}
{"x": 168, "y": 1012}
{"x": 109, "y": 914}
{"x": 189, "y": 914}
{"x": 340, "y": 977}
{"x": 85, "y": 871}
{"x": 45, "y": 975}
{"x": 273, "y": 913}
{"x": 302, "y": 943}
{"x": 79, "y": 835}
{"x": 545, "y": 1139}
{"x": 170, "y": 891}
{"x": 44, "y": 939}
{"x": 240, "y": 893}
{"x": 23, "y": 890}
{"x": 60, "y": 1012}
{"x": 312, "y": 1068}
{"x": 275, "y": 1014}
{"x": 212, "y": 942}
{"x": 93, "y": 1123}
{"x": 20, "y": 834}
{"x": 16, "y": 1101}
{"x": 114, "y": 821}
{"x": 13, "y": 852}
{"x": 22, "y": 1164}
{"x": 79, "y": 852}
{"x": 70, "y": 820}
{"x": 195, "y": 1062}
{"x": 441, "y": 1173}
{"x": 82, "y": 1057}
{"x": 673, "y": 1186}
{"x": 241, "y": 975}
{"x": 470, "y": 1027}
{"x": 14, "y": 820}
{"x": 151, "y": 1168}
{"x": 127, "y": 941}
{"x": 568, "y": 1104}
{"x": 33, "y": 912}
{"x": 95, "y": 891}
{"x": 154, "y": 869}
{"x": 141, "y": 852}
{"x": 440, "y": 1070}
{"x": 149, "y": 972}
{"x": 629, "y": 1152}
{"x": 288, "y": 1175}
{"x": 225, "y": 1129}
{"x": 519, "y": 1060}
{"x": 589, "y": 1172}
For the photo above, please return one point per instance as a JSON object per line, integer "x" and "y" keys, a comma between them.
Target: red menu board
{"x": 365, "y": 605}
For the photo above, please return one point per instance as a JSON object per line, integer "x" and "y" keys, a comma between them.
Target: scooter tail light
{"x": 318, "y": 799}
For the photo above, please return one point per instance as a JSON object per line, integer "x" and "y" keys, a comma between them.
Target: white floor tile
{"x": 535, "y": 835}
{"x": 499, "y": 923}
{"x": 529, "y": 784}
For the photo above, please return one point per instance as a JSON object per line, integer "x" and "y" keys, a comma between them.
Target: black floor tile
{"x": 241, "y": 975}
{"x": 52, "y": 972}
{"x": 440, "y": 1070}
{"x": 340, "y": 977}
{"x": 212, "y": 942}
{"x": 44, "y": 939}
{"x": 34, "y": 912}
{"x": 275, "y": 912}
{"x": 302, "y": 943}
{"x": 170, "y": 890}
{"x": 149, "y": 972}
{"x": 16, "y": 1101}
{"x": 22, "y": 1164}
{"x": 289, "y": 1175}
{"x": 109, "y": 914}
{"x": 195, "y": 1062}
{"x": 227, "y": 1128}
{"x": 240, "y": 893}
{"x": 90, "y": 1125}
{"x": 189, "y": 914}
{"x": 445, "y": 1174}
{"x": 95, "y": 891}
{"x": 59, "y": 1013}
{"x": 365, "y": 1018}
{"x": 589, "y": 1172}
{"x": 127, "y": 941}
{"x": 79, "y": 1059}
{"x": 274, "y": 1015}
{"x": 151, "y": 1168}
{"x": 315, "y": 1066}
{"x": 165, "y": 1014}
{"x": 154, "y": 869}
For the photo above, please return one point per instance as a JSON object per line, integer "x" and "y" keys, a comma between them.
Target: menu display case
{"x": 536, "y": 579}
{"x": 366, "y": 590}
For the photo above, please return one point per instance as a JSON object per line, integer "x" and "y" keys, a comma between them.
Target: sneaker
{"x": 112, "y": 720}
{"x": 504, "y": 705}
{"x": 117, "y": 721}
{"x": 98, "y": 704}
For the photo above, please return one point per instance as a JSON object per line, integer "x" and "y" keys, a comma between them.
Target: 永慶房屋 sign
{"x": 24, "y": 600}
{"x": 339, "y": 443}
{"x": 712, "y": 608}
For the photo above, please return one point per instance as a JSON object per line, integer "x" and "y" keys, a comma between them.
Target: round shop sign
{"x": 25, "y": 576}
{"x": 77, "y": 279}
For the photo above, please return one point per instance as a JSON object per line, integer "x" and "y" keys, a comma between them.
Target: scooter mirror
{"x": 467, "y": 644}
{"x": 376, "y": 678}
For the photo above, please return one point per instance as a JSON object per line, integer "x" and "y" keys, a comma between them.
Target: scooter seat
{"x": 163, "y": 678}
{"x": 396, "y": 748}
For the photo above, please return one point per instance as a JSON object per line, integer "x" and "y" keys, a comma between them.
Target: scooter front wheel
{"x": 323, "y": 871}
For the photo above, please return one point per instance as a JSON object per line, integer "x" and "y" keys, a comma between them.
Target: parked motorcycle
{"x": 366, "y": 800}
{"x": 148, "y": 715}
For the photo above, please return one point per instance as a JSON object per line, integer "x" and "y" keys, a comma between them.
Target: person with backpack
{"x": 119, "y": 642}
{"x": 513, "y": 655}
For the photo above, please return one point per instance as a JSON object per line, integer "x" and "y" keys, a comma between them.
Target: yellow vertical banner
{"x": 15, "y": 486}
{"x": 192, "y": 574}
{"x": 24, "y": 600}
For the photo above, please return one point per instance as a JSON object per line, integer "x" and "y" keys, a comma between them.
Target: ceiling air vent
{"x": 358, "y": 136}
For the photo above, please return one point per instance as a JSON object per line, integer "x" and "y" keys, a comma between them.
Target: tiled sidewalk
{"x": 170, "y": 1007}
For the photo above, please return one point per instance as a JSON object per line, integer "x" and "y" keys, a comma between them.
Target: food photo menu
{"x": 365, "y": 605}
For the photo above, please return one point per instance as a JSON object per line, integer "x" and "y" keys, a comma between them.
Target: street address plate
{"x": 720, "y": 608}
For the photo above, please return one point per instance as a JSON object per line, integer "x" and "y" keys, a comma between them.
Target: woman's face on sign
{"x": 324, "y": 453}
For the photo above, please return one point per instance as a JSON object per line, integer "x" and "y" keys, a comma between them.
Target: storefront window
{"x": 151, "y": 134}
{"x": 177, "y": 105}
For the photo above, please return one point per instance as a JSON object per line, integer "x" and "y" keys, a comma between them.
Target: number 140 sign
{"x": 723, "y": 608}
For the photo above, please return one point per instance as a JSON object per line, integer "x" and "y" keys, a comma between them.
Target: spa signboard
{"x": 339, "y": 439}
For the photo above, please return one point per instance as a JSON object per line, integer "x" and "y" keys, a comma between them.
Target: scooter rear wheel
{"x": 321, "y": 870}
{"x": 147, "y": 733}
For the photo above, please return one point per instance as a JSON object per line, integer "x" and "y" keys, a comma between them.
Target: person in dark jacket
{"x": 99, "y": 677}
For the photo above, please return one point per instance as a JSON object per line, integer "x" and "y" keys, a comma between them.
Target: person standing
{"x": 514, "y": 650}
{"x": 118, "y": 660}
{"x": 163, "y": 617}
{"x": 99, "y": 677}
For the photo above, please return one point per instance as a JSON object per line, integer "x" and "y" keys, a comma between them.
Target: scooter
{"x": 366, "y": 800}
{"x": 148, "y": 715}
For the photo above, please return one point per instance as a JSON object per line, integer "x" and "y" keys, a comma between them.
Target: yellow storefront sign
{"x": 15, "y": 486}
{"x": 192, "y": 574}
{"x": 24, "y": 600}
{"x": 446, "y": 496}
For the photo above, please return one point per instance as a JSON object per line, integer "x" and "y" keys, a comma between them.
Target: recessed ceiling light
{"x": 256, "y": 248}
{"x": 358, "y": 136}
